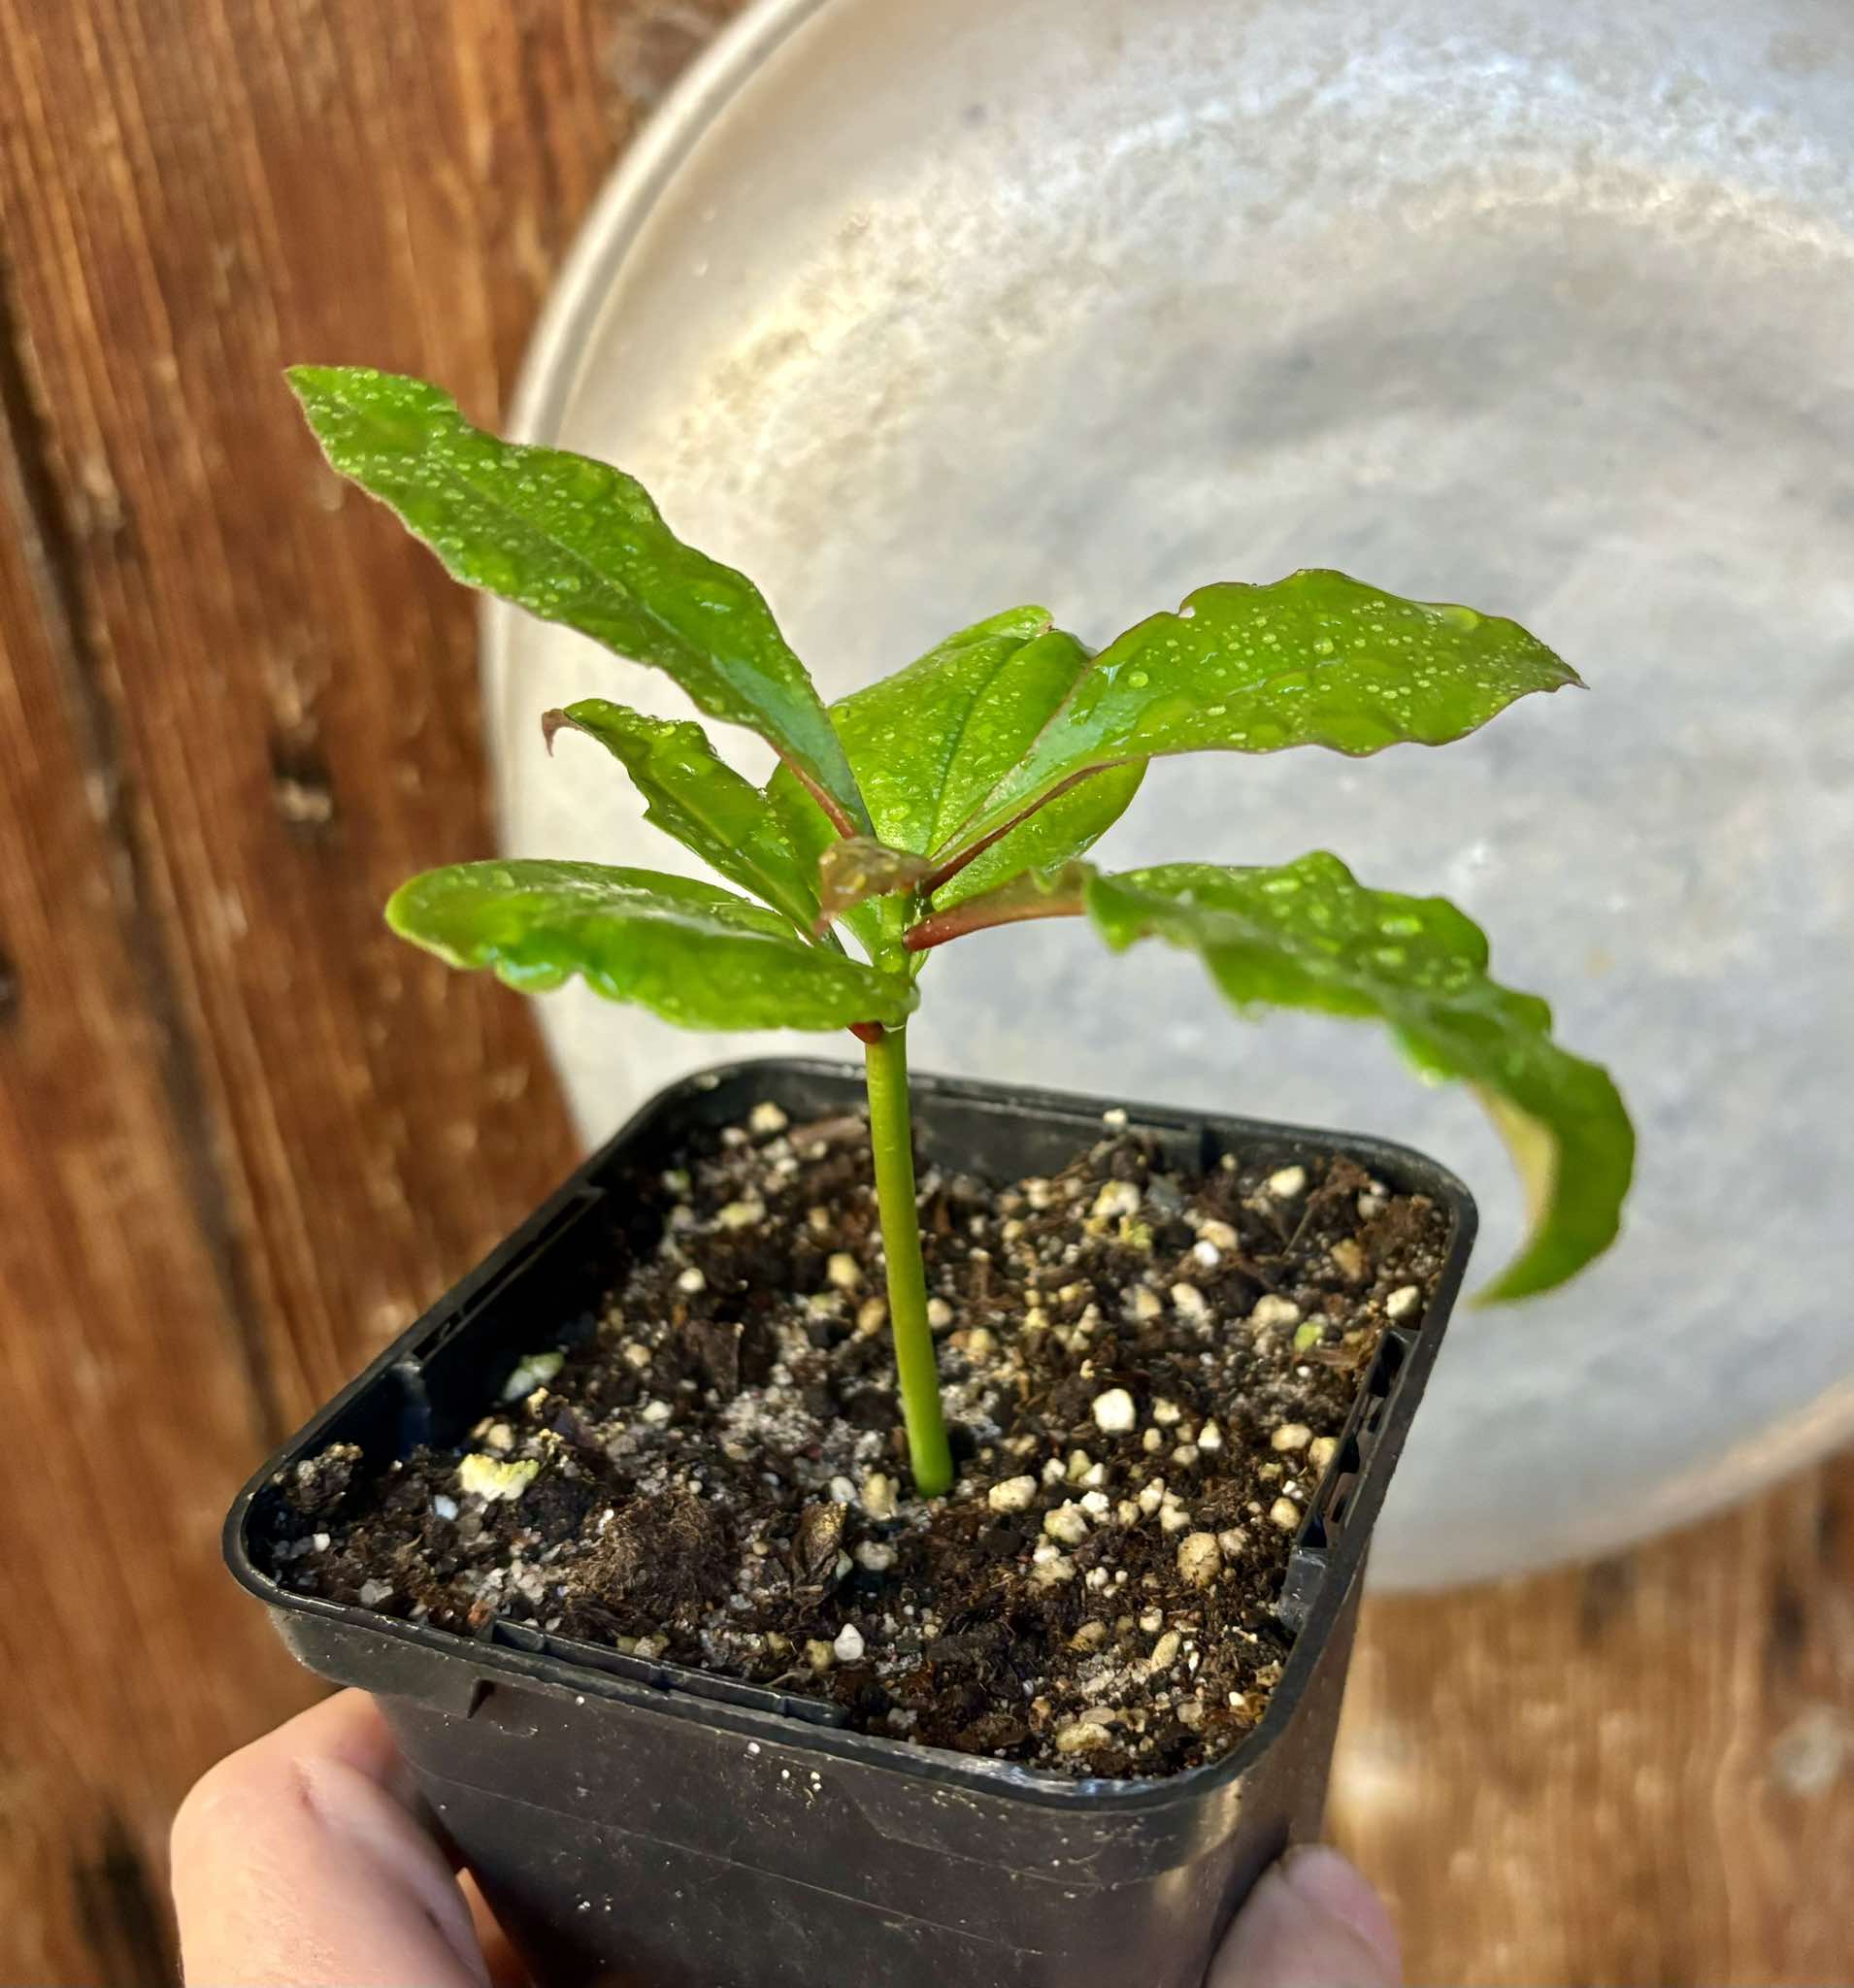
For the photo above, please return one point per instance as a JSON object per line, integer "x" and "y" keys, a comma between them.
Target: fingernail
{"x": 1311, "y": 1922}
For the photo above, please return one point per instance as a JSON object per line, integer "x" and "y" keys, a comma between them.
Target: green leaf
{"x": 1308, "y": 935}
{"x": 928, "y": 743}
{"x": 1064, "y": 827}
{"x": 692, "y": 952}
{"x": 576, "y": 542}
{"x": 937, "y": 736}
{"x": 695, "y": 796}
{"x": 1316, "y": 659}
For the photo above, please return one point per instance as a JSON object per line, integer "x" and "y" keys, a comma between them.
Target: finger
{"x": 296, "y": 1865}
{"x": 503, "y": 1962}
{"x": 1311, "y": 1922}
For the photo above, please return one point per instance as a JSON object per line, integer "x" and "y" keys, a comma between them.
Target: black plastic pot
{"x": 638, "y": 1823}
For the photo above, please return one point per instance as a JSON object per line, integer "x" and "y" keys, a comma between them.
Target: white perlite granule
{"x": 1114, "y": 1412}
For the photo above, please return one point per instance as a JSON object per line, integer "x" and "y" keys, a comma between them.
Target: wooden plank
{"x": 291, "y": 683}
{"x": 130, "y": 1402}
{"x": 1641, "y": 1772}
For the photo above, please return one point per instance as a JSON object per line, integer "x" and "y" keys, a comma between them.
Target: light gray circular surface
{"x": 920, "y": 308}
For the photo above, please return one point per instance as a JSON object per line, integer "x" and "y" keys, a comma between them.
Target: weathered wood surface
{"x": 243, "y": 1137}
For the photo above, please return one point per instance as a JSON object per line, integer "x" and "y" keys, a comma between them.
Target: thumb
{"x": 297, "y": 1862}
{"x": 1311, "y": 1922}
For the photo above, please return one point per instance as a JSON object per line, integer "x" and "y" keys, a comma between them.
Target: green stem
{"x": 891, "y": 1135}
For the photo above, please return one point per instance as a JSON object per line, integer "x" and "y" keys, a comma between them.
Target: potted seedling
{"x": 899, "y": 1532}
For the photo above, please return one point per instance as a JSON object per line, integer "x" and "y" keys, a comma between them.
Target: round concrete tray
{"x": 917, "y": 309}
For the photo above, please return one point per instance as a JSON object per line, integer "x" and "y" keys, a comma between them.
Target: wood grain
{"x": 1640, "y": 1771}
{"x": 244, "y": 1137}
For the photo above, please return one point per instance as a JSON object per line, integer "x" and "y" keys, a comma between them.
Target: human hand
{"x": 300, "y": 1862}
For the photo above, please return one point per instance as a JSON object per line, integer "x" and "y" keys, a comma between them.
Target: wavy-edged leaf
{"x": 1308, "y": 935}
{"x": 1315, "y": 659}
{"x": 692, "y": 952}
{"x": 576, "y": 542}
{"x": 694, "y": 795}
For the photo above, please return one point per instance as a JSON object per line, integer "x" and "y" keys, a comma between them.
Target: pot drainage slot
{"x": 1327, "y": 1514}
{"x": 507, "y": 1711}
{"x": 1381, "y": 1390}
{"x": 1334, "y": 1521}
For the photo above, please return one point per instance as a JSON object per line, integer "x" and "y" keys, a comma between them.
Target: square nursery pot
{"x": 636, "y": 1823}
